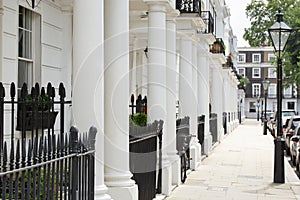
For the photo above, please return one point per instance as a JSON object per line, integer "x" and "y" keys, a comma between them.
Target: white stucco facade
{"x": 105, "y": 50}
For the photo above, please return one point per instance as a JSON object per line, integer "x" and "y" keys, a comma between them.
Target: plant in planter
{"x": 139, "y": 119}
{"x": 35, "y": 109}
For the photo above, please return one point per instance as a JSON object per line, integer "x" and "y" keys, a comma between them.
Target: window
{"x": 271, "y": 57}
{"x": 256, "y": 73}
{"x": 242, "y": 58}
{"x": 256, "y": 58}
{"x": 272, "y": 72}
{"x": 272, "y": 90}
{"x": 241, "y": 71}
{"x": 291, "y": 105}
{"x": 255, "y": 89}
{"x": 287, "y": 92}
{"x": 28, "y": 47}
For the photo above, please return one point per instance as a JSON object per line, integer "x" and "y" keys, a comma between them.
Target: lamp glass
{"x": 266, "y": 84}
{"x": 279, "y": 33}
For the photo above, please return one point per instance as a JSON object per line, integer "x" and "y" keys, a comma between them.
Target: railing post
{"x": 22, "y": 115}
{"x": 132, "y": 105}
{"x": 62, "y": 94}
{"x": 2, "y": 95}
{"x": 12, "y": 95}
{"x": 74, "y": 162}
{"x": 91, "y": 162}
{"x": 159, "y": 179}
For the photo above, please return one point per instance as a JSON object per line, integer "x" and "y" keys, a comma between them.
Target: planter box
{"x": 36, "y": 120}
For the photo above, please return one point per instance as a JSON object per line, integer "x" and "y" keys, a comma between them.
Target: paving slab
{"x": 239, "y": 167}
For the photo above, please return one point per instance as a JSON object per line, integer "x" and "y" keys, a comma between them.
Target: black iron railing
{"x": 145, "y": 162}
{"x": 56, "y": 167}
{"x": 209, "y": 20}
{"x": 140, "y": 105}
{"x": 218, "y": 47}
{"x": 189, "y": 6}
{"x": 213, "y": 126}
{"x": 201, "y": 129}
{"x": 36, "y": 112}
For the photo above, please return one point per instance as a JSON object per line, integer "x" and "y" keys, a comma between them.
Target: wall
{"x": 56, "y": 45}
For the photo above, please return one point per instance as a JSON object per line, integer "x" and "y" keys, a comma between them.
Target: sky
{"x": 238, "y": 19}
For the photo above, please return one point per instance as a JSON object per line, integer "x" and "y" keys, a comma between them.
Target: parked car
{"x": 285, "y": 114}
{"x": 289, "y": 130}
{"x": 297, "y": 153}
{"x": 294, "y": 146}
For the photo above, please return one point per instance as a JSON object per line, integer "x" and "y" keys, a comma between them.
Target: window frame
{"x": 272, "y": 86}
{"x": 33, "y": 61}
{"x": 244, "y": 73}
{"x": 271, "y": 72}
{"x": 271, "y": 56}
{"x": 256, "y": 94}
{"x": 253, "y": 56}
{"x": 259, "y": 71}
{"x": 244, "y": 56}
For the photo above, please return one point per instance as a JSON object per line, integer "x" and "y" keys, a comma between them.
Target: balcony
{"x": 208, "y": 19}
{"x": 218, "y": 47}
{"x": 189, "y": 6}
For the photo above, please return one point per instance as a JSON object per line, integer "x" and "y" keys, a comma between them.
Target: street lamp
{"x": 258, "y": 105}
{"x": 266, "y": 84}
{"x": 279, "y": 33}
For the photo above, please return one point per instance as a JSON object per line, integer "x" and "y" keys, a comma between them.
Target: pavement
{"x": 239, "y": 168}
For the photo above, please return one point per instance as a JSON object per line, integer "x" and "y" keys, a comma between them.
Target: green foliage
{"x": 33, "y": 178}
{"x": 40, "y": 103}
{"x": 243, "y": 80}
{"x": 262, "y": 15}
{"x": 139, "y": 119}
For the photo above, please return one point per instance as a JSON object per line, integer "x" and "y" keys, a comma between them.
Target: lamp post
{"x": 266, "y": 84}
{"x": 279, "y": 33}
{"x": 258, "y": 105}
{"x": 240, "y": 111}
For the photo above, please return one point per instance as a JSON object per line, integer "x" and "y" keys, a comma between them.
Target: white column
{"x": 217, "y": 96}
{"x": 203, "y": 94}
{"x": 116, "y": 98}
{"x": 186, "y": 91}
{"x": 133, "y": 69}
{"x": 88, "y": 62}
{"x": 157, "y": 91}
{"x": 195, "y": 149}
{"x": 171, "y": 98}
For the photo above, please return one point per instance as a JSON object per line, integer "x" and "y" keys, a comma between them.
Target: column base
{"x": 166, "y": 178}
{"x": 195, "y": 153}
{"x": 121, "y": 186}
{"x": 101, "y": 193}
{"x": 124, "y": 193}
{"x": 207, "y": 144}
{"x": 175, "y": 165}
{"x": 221, "y": 134}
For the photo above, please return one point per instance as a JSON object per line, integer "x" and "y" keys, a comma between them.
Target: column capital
{"x": 171, "y": 16}
{"x": 157, "y": 2}
{"x": 157, "y": 6}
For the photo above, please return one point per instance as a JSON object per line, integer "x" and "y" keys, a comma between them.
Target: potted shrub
{"x": 139, "y": 119}
{"x": 34, "y": 112}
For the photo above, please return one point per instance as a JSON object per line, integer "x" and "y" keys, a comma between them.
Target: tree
{"x": 262, "y": 15}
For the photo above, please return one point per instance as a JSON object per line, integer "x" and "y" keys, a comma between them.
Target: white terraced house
{"x": 181, "y": 54}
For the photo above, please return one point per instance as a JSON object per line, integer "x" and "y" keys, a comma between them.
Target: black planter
{"x": 36, "y": 120}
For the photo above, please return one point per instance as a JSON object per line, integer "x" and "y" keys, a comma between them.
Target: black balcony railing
{"x": 218, "y": 46}
{"x": 209, "y": 21}
{"x": 188, "y": 6}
